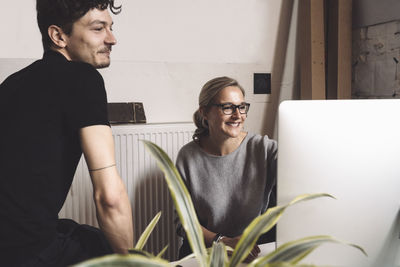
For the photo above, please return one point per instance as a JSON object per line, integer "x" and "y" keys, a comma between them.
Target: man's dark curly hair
{"x": 64, "y": 13}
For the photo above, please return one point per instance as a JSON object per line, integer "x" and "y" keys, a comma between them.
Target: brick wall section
{"x": 376, "y": 61}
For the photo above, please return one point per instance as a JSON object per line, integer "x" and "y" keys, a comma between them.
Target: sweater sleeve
{"x": 271, "y": 149}
{"x": 180, "y": 167}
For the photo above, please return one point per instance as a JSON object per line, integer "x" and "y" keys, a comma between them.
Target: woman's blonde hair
{"x": 206, "y": 97}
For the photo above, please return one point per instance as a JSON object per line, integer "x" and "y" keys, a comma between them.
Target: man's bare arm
{"x": 113, "y": 207}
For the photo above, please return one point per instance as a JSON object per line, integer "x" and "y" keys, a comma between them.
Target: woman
{"x": 230, "y": 173}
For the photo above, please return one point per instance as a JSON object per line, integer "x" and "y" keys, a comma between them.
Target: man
{"x": 53, "y": 110}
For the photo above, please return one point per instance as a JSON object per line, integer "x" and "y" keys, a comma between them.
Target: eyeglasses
{"x": 229, "y": 109}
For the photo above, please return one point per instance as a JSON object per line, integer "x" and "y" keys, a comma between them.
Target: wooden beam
{"x": 339, "y": 49}
{"x": 312, "y": 39}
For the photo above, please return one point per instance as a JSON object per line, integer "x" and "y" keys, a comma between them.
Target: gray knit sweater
{"x": 229, "y": 191}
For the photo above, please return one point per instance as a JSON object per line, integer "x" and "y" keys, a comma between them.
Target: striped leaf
{"x": 294, "y": 251}
{"x": 218, "y": 257}
{"x": 134, "y": 251}
{"x": 261, "y": 225}
{"x": 183, "y": 202}
{"x": 162, "y": 252}
{"x": 146, "y": 233}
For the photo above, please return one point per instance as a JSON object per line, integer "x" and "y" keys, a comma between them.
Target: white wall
{"x": 167, "y": 50}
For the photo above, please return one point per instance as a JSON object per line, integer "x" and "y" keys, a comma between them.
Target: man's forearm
{"x": 116, "y": 223}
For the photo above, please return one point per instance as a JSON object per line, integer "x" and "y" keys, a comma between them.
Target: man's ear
{"x": 57, "y": 36}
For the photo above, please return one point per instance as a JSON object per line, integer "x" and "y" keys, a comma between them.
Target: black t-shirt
{"x": 43, "y": 106}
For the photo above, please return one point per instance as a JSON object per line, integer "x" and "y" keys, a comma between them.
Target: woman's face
{"x": 220, "y": 124}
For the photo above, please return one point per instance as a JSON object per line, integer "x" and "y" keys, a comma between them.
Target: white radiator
{"x": 144, "y": 181}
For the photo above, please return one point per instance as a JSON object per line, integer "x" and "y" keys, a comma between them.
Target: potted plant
{"x": 288, "y": 254}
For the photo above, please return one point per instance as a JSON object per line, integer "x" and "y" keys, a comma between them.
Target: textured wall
{"x": 376, "y": 59}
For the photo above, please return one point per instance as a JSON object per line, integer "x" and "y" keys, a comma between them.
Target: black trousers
{"x": 74, "y": 243}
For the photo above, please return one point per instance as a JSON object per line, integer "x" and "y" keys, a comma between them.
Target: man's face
{"x": 91, "y": 39}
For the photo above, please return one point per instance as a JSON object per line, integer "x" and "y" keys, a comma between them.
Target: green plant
{"x": 289, "y": 254}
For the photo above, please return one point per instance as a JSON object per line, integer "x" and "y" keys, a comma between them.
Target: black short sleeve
{"x": 86, "y": 102}
{"x": 43, "y": 107}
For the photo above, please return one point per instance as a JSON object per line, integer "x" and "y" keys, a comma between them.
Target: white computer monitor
{"x": 350, "y": 149}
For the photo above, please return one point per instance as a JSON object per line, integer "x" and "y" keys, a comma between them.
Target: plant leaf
{"x": 146, "y": 233}
{"x": 218, "y": 257}
{"x": 261, "y": 225}
{"x": 134, "y": 251}
{"x": 294, "y": 251}
{"x": 161, "y": 253}
{"x": 303, "y": 255}
{"x": 309, "y": 197}
{"x": 183, "y": 202}
{"x": 123, "y": 260}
